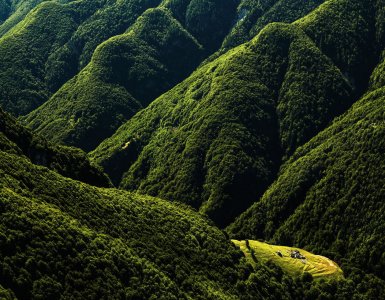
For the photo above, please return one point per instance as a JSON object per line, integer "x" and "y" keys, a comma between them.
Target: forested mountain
{"x": 211, "y": 126}
{"x": 130, "y": 70}
{"x": 13, "y": 11}
{"x": 329, "y": 195}
{"x": 216, "y": 141}
{"x": 253, "y": 15}
{"x": 127, "y": 71}
{"x": 63, "y": 239}
{"x": 70, "y": 162}
{"x": 125, "y": 74}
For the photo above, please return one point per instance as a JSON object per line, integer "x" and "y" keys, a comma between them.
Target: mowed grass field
{"x": 318, "y": 266}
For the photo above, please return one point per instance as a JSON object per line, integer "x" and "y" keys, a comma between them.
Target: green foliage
{"x": 126, "y": 73}
{"x": 254, "y": 15}
{"x": 13, "y": 11}
{"x": 100, "y": 20}
{"x": 53, "y": 43}
{"x": 70, "y": 162}
{"x": 329, "y": 196}
{"x": 5, "y": 9}
{"x": 24, "y": 51}
{"x": 346, "y": 31}
{"x": 49, "y": 255}
{"x": 209, "y": 20}
{"x": 216, "y": 140}
{"x": 6, "y": 294}
{"x": 251, "y": 118}
{"x": 62, "y": 237}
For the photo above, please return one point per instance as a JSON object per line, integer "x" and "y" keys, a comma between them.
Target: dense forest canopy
{"x": 192, "y": 149}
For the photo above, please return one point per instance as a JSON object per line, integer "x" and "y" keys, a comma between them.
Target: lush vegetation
{"x": 126, "y": 73}
{"x": 253, "y": 15}
{"x": 265, "y": 118}
{"x": 53, "y": 42}
{"x": 64, "y": 239}
{"x": 217, "y": 140}
{"x": 24, "y": 51}
{"x": 70, "y": 162}
{"x": 13, "y": 11}
{"x": 329, "y": 196}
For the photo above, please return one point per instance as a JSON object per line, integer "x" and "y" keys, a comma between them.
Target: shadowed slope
{"x": 215, "y": 140}
{"x": 70, "y": 162}
{"x": 126, "y": 73}
{"x": 64, "y": 238}
{"x": 329, "y": 195}
{"x": 253, "y": 15}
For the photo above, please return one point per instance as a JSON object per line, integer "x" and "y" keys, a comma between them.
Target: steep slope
{"x": 56, "y": 40}
{"x": 129, "y": 71}
{"x": 125, "y": 74}
{"x": 329, "y": 195}
{"x": 217, "y": 140}
{"x": 32, "y": 52}
{"x": 62, "y": 238}
{"x": 253, "y": 15}
{"x": 13, "y": 11}
{"x": 81, "y": 262}
{"x": 69, "y": 162}
{"x": 23, "y": 53}
{"x": 222, "y": 122}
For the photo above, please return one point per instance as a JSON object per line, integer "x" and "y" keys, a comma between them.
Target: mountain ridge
{"x": 260, "y": 121}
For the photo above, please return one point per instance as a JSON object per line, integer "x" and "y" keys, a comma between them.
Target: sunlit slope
{"x": 60, "y": 237}
{"x": 318, "y": 266}
{"x": 329, "y": 195}
{"x": 57, "y": 39}
{"x": 24, "y": 52}
{"x": 13, "y": 11}
{"x": 216, "y": 140}
{"x": 125, "y": 74}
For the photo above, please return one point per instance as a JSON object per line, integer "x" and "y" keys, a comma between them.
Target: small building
{"x": 296, "y": 254}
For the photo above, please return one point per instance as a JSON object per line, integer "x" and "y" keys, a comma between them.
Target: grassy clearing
{"x": 318, "y": 266}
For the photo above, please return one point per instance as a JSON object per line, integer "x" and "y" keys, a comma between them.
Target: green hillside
{"x": 44, "y": 50}
{"x": 126, "y": 73}
{"x": 167, "y": 149}
{"x": 64, "y": 239}
{"x": 61, "y": 239}
{"x": 253, "y": 15}
{"x": 319, "y": 267}
{"x": 13, "y": 11}
{"x": 105, "y": 93}
{"x": 216, "y": 140}
{"x": 24, "y": 51}
{"x": 329, "y": 195}
{"x": 70, "y": 162}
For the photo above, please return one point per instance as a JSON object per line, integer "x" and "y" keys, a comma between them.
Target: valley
{"x": 148, "y": 147}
